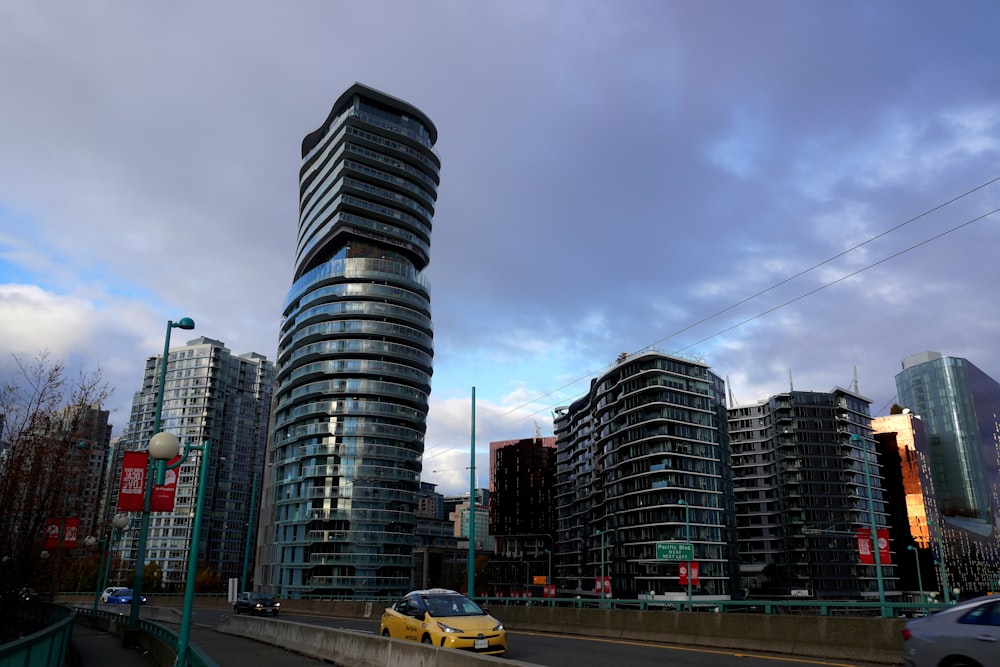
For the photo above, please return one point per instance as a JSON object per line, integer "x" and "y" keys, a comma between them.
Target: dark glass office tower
{"x": 354, "y": 357}
{"x": 960, "y": 408}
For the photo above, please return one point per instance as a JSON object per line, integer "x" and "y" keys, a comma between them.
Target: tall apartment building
{"x": 522, "y": 511}
{"x": 959, "y": 406}
{"x": 210, "y": 394}
{"x": 644, "y": 458}
{"x": 802, "y": 490}
{"x": 91, "y": 435}
{"x": 354, "y": 357}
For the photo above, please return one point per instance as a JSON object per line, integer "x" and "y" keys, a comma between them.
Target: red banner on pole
{"x": 133, "y": 482}
{"x": 883, "y": 546}
{"x": 52, "y": 526}
{"x": 686, "y": 570}
{"x": 72, "y": 529}
{"x": 164, "y": 494}
{"x": 865, "y": 552}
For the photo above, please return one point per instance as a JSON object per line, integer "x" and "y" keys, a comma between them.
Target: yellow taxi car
{"x": 445, "y": 618}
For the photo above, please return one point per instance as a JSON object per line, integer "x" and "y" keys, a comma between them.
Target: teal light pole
{"x": 192, "y": 568}
{"x": 118, "y": 526}
{"x": 920, "y": 577}
{"x": 861, "y": 442}
{"x": 140, "y": 554}
{"x": 687, "y": 538}
{"x": 472, "y": 503}
{"x": 548, "y": 580}
{"x": 600, "y": 584}
{"x": 246, "y": 550}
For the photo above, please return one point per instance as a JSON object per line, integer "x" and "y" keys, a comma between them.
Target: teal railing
{"x": 49, "y": 647}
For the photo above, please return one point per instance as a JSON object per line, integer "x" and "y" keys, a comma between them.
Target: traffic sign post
{"x": 674, "y": 551}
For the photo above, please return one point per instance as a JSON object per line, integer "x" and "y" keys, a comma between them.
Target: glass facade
{"x": 354, "y": 357}
{"x": 650, "y": 437}
{"x": 959, "y": 406}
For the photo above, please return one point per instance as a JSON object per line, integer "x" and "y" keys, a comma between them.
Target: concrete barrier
{"x": 835, "y": 637}
{"x": 866, "y": 639}
{"x": 353, "y": 649}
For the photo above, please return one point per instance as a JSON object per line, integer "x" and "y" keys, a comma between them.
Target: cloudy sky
{"x": 787, "y": 190}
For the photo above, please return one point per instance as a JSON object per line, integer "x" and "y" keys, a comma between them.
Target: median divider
{"x": 839, "y": 637}
{"x": 353, "y": 649}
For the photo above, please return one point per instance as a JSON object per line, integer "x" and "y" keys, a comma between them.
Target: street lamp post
{"x": 600, "y": 585}
{"x": 941, "y": 565}
{"x": 872, "y": 521}
{"x": 920, "y": 577}
{"x": 118, "y": 524}
{"x": 687, "y": 538}
{"x": 140, "y": 554}
{"x": 548, "y": 580}
{"x": 192, "y": 568}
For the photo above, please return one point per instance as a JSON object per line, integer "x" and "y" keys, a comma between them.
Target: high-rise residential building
{"x": 522, "y": 511}
{"x": 354, "y": 357}
{"x": 802, "y": 487}
{"x": 644, "y": 458}
{"x": 91, "y": 436}
{"x": 210, "y": 395}
{"x": 959, "y": 406}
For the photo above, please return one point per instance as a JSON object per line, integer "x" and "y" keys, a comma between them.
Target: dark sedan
{"x": 256, "y": 603}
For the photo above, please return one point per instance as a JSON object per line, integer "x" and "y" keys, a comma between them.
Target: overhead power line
{"x": 762, "y": 292}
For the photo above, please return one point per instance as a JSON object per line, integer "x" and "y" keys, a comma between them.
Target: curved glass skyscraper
{"x": 354, "y": 357}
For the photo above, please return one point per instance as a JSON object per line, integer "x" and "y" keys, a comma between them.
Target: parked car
{"x": 966, "y": 635}
{"x": 446, "y": 618}
{"x": 250, "y": 602}
{"x": 119, "y": 596}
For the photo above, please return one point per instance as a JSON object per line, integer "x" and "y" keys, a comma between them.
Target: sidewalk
{"x": 93, "y": 647}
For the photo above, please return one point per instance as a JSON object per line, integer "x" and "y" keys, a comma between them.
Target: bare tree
{"x": 42, "y": 463}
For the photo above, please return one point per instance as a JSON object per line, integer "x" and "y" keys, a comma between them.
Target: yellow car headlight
{"x": 447, "y": 628}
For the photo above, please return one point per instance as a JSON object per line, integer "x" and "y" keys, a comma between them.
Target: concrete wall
{"x": 353, "y": 649}
{"x": 833, "y": 637}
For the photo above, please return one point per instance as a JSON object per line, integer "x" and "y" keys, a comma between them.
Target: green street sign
{"x": 674, "y": 551}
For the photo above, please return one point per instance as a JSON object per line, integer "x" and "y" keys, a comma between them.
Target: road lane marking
{"x": 671, "y": 647}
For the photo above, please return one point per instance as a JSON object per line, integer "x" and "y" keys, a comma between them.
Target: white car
{"x": 111, "y": 591}
{"x": 966, "y": 635}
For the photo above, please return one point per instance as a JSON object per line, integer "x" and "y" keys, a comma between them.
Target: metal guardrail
{"x": 752, "y": 606}
{"x": 49, "y": 647}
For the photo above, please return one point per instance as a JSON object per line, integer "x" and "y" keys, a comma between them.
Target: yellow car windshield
{"x": 452, "y": 605}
